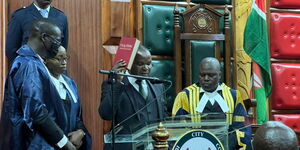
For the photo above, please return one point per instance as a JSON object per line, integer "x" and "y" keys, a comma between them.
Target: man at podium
{"x": 136, "y": 101}
{"x": 210, "y": 96}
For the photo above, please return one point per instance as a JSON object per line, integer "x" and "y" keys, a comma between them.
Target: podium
{"x": 141, "y": 138}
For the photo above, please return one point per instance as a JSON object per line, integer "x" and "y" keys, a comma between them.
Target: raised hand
{"x": 119, "y": 67}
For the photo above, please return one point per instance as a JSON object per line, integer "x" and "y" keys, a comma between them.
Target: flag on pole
{"x": 256, "y": 45}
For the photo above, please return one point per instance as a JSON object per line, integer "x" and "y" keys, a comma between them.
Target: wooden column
{"x": 227, "y": 48}
{"x": 177, "y": 51}
{"x": 3, "y": 60}
{"x": 242, "y": 9}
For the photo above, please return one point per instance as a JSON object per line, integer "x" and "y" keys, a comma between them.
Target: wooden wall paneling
{"x": 177, "y": 51}
{"x": 268, "y": 13}
{"x": 106, "y": 32}
{"x": 117, "y": 21}
{"x": 187, "y": 64}
{"x": 227, "y": 54}
{"x": 85, "y": 50}
{"x": 233, "y": 31}
{"x": 139, "y": 20}
{"x": 84, "y": 19}
{"x": 3, "y": 60}
{"x": 105, "y": 17}
{"x": 16, "y": 4}
{"x": 122, "y": 19}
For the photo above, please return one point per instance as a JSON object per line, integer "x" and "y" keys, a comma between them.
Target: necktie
{"x": 142, "y": 90}
{"x": 44, "y": 13}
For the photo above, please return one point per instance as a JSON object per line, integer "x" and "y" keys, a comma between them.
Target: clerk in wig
{"x": 68, "y": 93}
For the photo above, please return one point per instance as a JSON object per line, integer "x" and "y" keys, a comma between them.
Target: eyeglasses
{"x": 61, "y": 59}
{"x": 57, "y": 42}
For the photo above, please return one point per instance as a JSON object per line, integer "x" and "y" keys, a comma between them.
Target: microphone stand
{"x": 112, "y": 80}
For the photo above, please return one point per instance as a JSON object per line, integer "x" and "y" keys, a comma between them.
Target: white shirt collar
{"x": 219, "y": 88}
{"x": 132, "y": 81}
{"x": 211, "y": 97}
{"x": 38, "y": 8}
{"x": 62, "y": 86}
{"x": 58, "y": 83}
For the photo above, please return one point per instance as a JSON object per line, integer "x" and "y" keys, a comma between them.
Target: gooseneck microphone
{"x": 153, "y": 80}
{"x": 112, "y": 75}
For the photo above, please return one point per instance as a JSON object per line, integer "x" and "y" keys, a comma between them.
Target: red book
{"x": 127, "y": 50}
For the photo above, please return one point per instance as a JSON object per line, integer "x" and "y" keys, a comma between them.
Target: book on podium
{"x": 127, "y": 50}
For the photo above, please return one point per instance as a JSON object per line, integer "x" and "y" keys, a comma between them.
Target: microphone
{"x": 159, "y": 81}
{"x": 153, "y": 80}
{"x": 119, "y": 125}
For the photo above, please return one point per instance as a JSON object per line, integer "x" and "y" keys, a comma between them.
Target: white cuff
{"x": 62, "y": 142}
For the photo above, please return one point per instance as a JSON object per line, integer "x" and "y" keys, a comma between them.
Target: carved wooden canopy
{"x": 201, "y": 19}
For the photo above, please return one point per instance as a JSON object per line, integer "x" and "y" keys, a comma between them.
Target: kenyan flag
{"x": 256, "y": 45}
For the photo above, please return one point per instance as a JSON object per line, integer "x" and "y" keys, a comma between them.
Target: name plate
{"x": 198, "y": 140}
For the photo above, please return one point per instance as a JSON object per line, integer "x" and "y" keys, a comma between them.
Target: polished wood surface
{"x": 198, "y": 36}
{"x": 227, "y": 57}
{"x": 122, "y": 19}
{"x": 177, "y": 52}
{"x": 3, "y": 60}
{"x": 85, "y": 50}
{"x": 242, "y": 78}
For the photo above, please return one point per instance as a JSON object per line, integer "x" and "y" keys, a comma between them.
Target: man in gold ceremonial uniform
{"x": 209, "y": 96}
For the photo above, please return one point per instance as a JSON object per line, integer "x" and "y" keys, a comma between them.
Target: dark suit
{"x": 20, "y": 22}
{"x": 127, "y": 102}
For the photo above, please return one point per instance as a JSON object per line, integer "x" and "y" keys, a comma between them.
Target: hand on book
{"x": 119, "y": 67}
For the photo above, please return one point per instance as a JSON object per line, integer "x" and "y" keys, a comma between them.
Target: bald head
{"x": 211, "y": 61}
{"x": 274, "y": 135}
{"x": 209, "y": 74}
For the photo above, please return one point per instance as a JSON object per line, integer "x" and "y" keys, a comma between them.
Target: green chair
{"x": 164, "y": 69}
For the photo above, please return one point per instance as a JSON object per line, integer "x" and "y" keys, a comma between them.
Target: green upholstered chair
{"x": 164, "y": 69}
{"x": 200, "y": 50}
{"x": 215, "y": 2}
{"x": 158, "y": 33}
{"x": 158, "y": 36}
{"x": 205, "y": 35}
